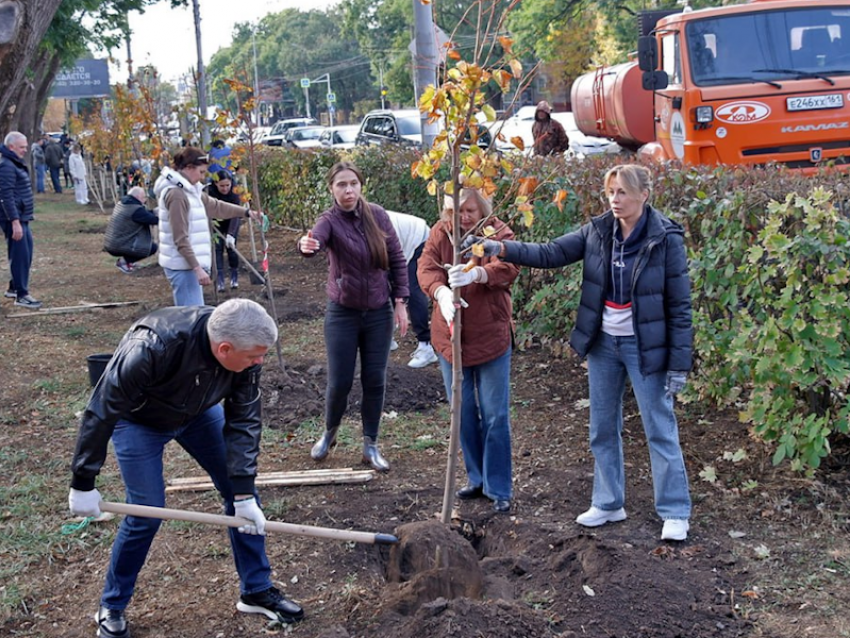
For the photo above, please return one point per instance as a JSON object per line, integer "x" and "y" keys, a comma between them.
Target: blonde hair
{"x": 484, "y": 203}
{"x": 634, "y": 179}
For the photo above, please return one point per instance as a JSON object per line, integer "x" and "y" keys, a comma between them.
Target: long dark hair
{"x": 376, "y": 238}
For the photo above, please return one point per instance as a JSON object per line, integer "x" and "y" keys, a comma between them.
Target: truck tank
{"x": 611, "y": 102}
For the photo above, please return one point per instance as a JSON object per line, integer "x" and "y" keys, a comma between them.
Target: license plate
{"x": 815, "y": 102}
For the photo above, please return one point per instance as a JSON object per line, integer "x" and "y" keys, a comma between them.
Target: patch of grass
{"x": 76, "y": 332}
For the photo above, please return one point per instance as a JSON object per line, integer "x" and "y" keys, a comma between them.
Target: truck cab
{"x": 745, "y": 84}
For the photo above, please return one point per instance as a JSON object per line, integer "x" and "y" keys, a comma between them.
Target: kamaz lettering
{"x": 805, "y": 128}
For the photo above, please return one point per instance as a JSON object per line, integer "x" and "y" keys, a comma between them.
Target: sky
{"x": 165, "y": 37}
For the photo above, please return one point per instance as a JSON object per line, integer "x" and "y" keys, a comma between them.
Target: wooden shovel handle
{"x": 164, "y": 513}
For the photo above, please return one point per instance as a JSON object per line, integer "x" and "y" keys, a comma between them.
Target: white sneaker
{"x": 393, "y": 345}
{"x": 675, "y": 529}
{"x": 422, "y": 356}
{"x": 594, "y": 517}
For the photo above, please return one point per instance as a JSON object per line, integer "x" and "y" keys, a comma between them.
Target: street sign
{"x": 331, "y": 97}
{"x": 305, "y": 83}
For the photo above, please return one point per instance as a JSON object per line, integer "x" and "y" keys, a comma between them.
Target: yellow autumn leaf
{"x": 517, "y": 141}
{"x": 427, "y": 96}
{"x": 453, "y": 54}
{"x": 506, "y": 43}
{"x": 528, "y": 218}
{"x": 488, "y": 231}
{"x": 432, "y": 188}
{"x": 478, "y": 250}
{"x": 449, "y": 188}
{"x": 516, "y": 68}
{"x": 489, "y": 112}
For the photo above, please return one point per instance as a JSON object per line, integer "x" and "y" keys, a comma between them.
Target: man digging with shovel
{"x": 189, "y": 374}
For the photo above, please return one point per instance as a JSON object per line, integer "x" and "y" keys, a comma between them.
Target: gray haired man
{"x": 190, "y": 374}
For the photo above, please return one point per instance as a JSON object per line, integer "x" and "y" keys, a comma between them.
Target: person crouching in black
{"x": 128, "y": 234}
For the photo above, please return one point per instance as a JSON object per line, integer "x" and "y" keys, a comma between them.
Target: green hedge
{"x": 769, "y": 263}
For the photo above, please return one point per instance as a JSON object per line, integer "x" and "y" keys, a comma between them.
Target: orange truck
{"x": 766, "y": 81}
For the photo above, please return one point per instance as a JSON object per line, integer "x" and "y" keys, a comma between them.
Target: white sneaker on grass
{"x": 422, "y": 356}
{"x": 594, "y": 517}
{"x": 393, "y": 345}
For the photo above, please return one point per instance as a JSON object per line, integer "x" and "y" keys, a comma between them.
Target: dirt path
{"x": 767, "y": 555}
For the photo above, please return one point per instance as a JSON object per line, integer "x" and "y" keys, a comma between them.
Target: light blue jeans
{"x": 185, "y": 287}
{"x": 609, "y": 363}
{"x": 485, "y": 424}
{"x": 139, "y": 450}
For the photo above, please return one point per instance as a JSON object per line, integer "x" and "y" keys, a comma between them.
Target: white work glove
{"x": 230, "y": 242}
{"x": 445, "y": 300}
{"x": 491, "y": 247}
{"x": 84, "y": 503}
{"x": 250, "y": 510}
{"x": 458, "y": 278}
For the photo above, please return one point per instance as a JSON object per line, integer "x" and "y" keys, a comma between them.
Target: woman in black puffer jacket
{"x": 634, "y": 321}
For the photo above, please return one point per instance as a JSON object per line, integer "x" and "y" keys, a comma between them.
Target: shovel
{"x": 166, "y": 514}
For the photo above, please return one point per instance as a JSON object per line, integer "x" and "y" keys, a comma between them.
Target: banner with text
{"x": 87, "y": 78}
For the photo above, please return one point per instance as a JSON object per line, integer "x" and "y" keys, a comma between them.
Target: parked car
{"x": 390, "y": 127}
{"x": 303, "y": 137}
{"x": 399, "y": 127}
{"x": 582, "y": 145}
{"x": 278, "y": 131}
{"x": 339, "y": 136}
{"x": 520, "y": 125}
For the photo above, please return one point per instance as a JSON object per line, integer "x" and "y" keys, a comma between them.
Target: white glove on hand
{"x": 458, "y": 278}
{"x": 445, "y": 299}
{"x": 84, "y": 503}
{"x": 250, "y": 510}
{"x": 230, "y": 242}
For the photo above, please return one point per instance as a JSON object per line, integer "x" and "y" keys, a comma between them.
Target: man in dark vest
{"x": 128, "y": 234}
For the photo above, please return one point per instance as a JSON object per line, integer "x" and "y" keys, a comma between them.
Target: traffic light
{"x": 383, "y": 91}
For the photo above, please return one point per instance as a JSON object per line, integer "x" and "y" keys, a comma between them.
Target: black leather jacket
{"x": 163, "y": 375}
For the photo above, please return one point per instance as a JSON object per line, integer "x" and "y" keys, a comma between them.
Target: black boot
{"x": 323, "y": 446}
{"x": 219, "y": 285}
{"x": 371, "y": 455}
{"x": 234, "y": 277}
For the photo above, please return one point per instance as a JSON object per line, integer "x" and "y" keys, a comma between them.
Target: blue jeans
{"x": 139, "y": 450}
{"x": 20, "y": 257}
{"x": 485, "y": 423}
{"x": 40, "y": 172}
{"x": 609, "y": 362}
{"x": 54, "y": 178}
{"x": 346, "y": 331}
{"x": 185, "y": 288}
{"x": 417, "y": 304}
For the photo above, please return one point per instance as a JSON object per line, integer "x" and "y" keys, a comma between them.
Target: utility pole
{"x": 202, "y": 79}
{"x": 330, "y": 97}
{"x": 424, "y": 62}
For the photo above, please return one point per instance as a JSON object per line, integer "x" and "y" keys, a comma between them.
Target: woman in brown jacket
{"x": 486, "y": 340}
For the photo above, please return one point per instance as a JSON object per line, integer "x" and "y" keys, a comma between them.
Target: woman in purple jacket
{"x": 367, "y": 294}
